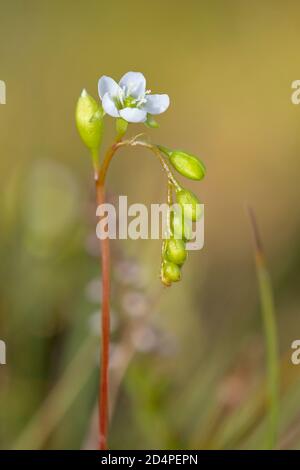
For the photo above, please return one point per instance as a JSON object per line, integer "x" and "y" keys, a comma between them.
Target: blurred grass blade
{"x": 268, "y": 314}
{"x": 59, "y": 400}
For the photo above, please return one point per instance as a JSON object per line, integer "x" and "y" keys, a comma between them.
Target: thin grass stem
{"x": 270, "y": 328}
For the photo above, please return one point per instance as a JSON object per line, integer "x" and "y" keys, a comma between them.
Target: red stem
{"x": 105, "y": 328}
{"x": 105, "y": 317}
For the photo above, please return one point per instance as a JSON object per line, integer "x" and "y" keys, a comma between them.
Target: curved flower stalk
{"x": 130, "y": 102}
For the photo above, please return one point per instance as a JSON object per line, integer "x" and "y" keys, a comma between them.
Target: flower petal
{"x": 156, "y": 104}
{"x": 108, "y": 85}
{"x": 109, "y": 105}
{"x": 133, "y": 114}
{"x": 134, "y": 84}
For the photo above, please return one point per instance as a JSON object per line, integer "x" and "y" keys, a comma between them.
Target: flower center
{"x": 130, "y": 102}
{"x": 125, "y": 100}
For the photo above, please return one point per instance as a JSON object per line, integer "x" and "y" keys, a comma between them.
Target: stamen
{"x": 141, "y": 100}
{"x": 121, "y": 96}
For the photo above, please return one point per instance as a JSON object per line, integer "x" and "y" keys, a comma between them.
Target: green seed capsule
{"x": 89, "y": 120}
{"x": 181, "y": 229}
{"x": 188, "y": 165}
{"x": 170, "y": 273}
{"x": 176, "y": 251}
{"x": 190, "y": 204}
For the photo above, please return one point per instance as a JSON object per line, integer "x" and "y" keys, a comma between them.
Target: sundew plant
{"x": 127, "y": 102}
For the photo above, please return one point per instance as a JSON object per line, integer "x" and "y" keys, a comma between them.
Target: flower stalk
{"x": 105, "y": 317}
{"x": 105, "y": 328}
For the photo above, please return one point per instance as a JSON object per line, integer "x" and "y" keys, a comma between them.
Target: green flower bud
{"x": 186, "y": 164}
{"x": 175, "y": 251}
{"x": 190, "y": 204}
{"x": 89, "y": 120}
{"x": 181, "y": 229}
{"x": 170, "y": 273}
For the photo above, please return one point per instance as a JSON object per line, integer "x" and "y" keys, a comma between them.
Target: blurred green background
{"x": 188, "y": 363}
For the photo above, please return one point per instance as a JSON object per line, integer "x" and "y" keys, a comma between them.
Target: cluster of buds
{"x": 186, "y": 211}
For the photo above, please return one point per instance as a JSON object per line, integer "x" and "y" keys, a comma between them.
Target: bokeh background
{"x": 188, "y": 363}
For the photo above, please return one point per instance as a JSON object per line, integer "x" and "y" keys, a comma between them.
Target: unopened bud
{"x": 170, "y": 273}
{"x": 186, "y": 164}
{"x": 176, "y": 251}
{"x": 180, "y": 227}
{"x": 190, "y": 204}
{"x": 89, "y": 120}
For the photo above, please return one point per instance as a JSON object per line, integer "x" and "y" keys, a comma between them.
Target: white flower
{"x": 129, "y": 99}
